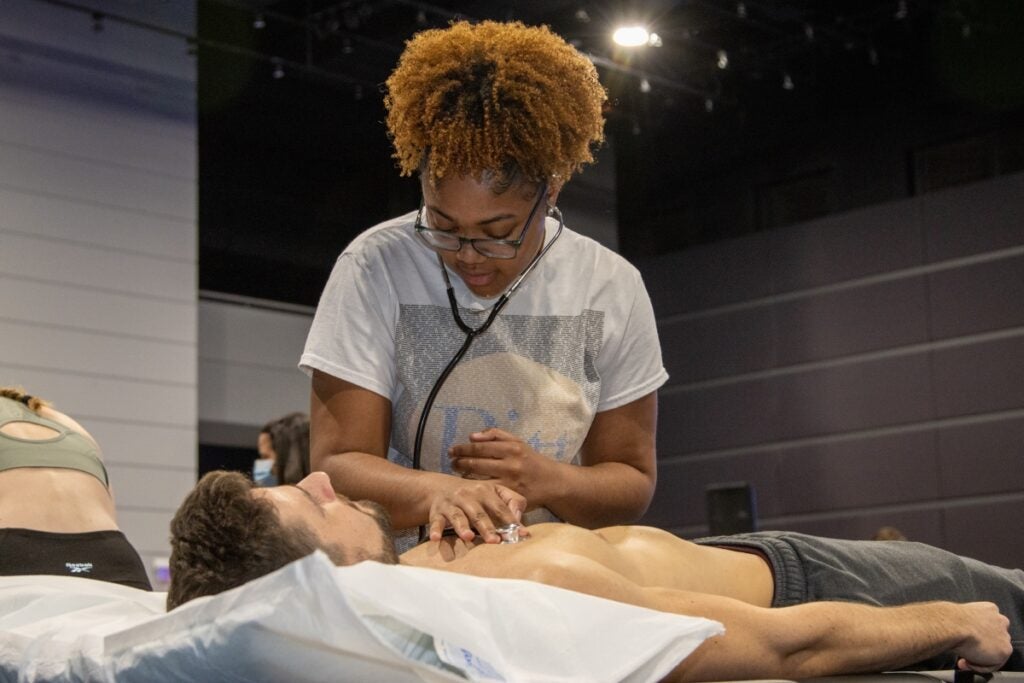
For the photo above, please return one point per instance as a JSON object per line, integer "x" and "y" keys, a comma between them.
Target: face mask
{"x": 263, "y": 472}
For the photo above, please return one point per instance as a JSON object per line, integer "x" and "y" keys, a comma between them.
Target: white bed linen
{"x": 311, "y": 621}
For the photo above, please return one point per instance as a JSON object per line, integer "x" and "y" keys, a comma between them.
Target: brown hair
{"x": 500, "y": 99}
{"x": 289, "y": 437}
{"x": 222, "y": 537}
{"x": 34, "y": 403}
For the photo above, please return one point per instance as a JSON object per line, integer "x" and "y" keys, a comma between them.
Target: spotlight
{"x": 787, "y": 81}
{"x": 741, "y": 10}
{"x": 901, "y": 10}
{"x": 723, "y": 59}
{"x": 654, "y": 40}
{"x": 259, "y": 22}
{"x": 278, "y": 72}
{"x": 645, "y": 85}
{"x": 809, "y": 32}
{"x": 709, "y": 105}
{"x": 631, "y": 36}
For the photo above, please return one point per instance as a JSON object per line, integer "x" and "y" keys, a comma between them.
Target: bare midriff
{"x": 644, "y": 555}
{"x": 54, "y": 499}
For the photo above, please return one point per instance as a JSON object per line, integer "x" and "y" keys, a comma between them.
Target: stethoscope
{"x": 471, "y": 334}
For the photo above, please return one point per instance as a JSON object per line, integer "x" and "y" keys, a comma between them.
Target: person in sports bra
{"x": 57, "y": 513}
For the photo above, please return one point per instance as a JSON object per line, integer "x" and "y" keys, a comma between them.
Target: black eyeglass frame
{"x": 423, "y": 232}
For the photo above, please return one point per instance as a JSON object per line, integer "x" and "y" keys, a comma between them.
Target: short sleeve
{"x": 630, "y": 359}
{"x": 353, "y": 332}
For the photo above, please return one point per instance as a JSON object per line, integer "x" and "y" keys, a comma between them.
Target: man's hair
{"x": 502, "y": 100}
{"x": 222, "y": 537}
{"x": 289, "y": 437}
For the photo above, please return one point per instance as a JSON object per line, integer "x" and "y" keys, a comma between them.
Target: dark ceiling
{"x": 294, "y": 159}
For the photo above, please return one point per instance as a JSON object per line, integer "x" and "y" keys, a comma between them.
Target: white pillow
{"x": 312, "y": 621}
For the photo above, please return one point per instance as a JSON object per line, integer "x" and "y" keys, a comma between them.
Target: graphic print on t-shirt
{"x": 533, "y": 376}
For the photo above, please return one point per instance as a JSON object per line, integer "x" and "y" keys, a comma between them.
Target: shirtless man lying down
{"x": 789, "y": 602}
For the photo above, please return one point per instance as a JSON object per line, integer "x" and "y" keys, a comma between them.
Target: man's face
{"x": 361, "y": 529}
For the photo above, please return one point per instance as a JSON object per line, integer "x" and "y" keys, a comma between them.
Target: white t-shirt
{"x": 577, "y": 337}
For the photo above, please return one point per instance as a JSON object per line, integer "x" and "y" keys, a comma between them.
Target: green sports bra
{"x": 67, "y": 449}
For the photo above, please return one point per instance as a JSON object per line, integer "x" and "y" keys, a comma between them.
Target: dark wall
{"x": 860, "y": 370}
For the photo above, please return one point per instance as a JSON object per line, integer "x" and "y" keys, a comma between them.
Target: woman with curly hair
{"x": 476, "y": 363}
{"x": 56, "y": 509}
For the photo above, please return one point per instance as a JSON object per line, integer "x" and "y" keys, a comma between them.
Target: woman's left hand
{"x": 497, "y": 454}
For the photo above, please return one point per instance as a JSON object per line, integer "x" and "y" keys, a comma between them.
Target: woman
{"x": 550, "y": 409}
{"x": 284, "y": 443}
{"x": 56, "y": 507}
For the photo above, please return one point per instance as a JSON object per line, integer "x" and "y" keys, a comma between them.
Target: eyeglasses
{"x": 485, "y": 246}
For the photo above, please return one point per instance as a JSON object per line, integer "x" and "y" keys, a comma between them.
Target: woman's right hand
{"x": 469, "y": 504}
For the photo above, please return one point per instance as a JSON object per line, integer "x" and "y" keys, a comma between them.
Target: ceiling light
{"x": 645, "y": 85}
{"x": 787, "y": 81}
{"x": 723, "y": 59}
{"x": 631, "y": 36}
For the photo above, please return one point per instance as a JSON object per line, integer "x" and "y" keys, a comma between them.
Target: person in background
{"x": 550, "y": 405}
{"x": 283, "y": 446}
{"x": 57, "y": 513}
{"x": 794, "y": 606}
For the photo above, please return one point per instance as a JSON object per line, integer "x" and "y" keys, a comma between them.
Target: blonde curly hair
{"x": 34, "y": 403}
{"x": 501, "y": 100}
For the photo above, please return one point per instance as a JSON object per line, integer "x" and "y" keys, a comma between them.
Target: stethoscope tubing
{"x": 471, "y": 334}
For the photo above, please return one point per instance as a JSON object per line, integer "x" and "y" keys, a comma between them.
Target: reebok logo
{"x": 79, "y": 567}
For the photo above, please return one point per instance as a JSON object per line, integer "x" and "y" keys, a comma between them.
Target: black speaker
{"x": 731, "y": 508}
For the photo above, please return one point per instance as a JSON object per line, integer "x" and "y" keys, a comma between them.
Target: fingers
{"x": 477, "y": 506}
{"x": 492, "y": 434}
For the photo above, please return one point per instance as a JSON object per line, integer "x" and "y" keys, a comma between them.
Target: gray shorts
{"x": 810, "y": 568}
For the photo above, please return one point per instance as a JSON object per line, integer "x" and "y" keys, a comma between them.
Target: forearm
{"x": 830, "y": 638}
{"x": 405, "y": 493}
{"x": 598, "y": 495}
{"x": 848, "y": 638}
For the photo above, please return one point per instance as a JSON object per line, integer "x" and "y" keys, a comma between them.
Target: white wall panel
{"x": 144, "y": 445}
{"x": 40, "y": 213}
{"x": 257, "y": 336}
{"x": 114, "y": 138}
{"x": 115, "y": 186}
{"x": 97, "y": 310}
{"x": 133, "y": 486}
{"x": 130, "y": 358}
{"x": 97, "y": 267}
{"x": 249, "y": 394}
{"x": 86, "y": 394}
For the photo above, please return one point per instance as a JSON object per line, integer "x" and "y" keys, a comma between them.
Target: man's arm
{"x": 814, "y": 639}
